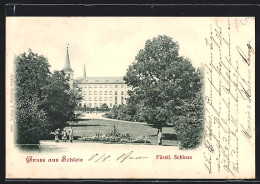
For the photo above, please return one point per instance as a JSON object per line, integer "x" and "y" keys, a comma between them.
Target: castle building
{"x": 97, "y": 90}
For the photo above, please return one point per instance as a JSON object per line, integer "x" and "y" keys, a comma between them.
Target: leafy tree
{"x": 103, "y": 107}
{"x": 113, "y": 113}
{"x": 163, "y": 83}
{"x": 60, "y": 101}
{"x": 188, "y": 117}
{"x": 31, "y": 76}
{"x": 44, "y": 101}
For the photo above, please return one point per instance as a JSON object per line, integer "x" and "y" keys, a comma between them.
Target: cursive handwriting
{"x": 121, "y": 158}
{"x": 125, "y": 156}
{"x": 228, "y": 98}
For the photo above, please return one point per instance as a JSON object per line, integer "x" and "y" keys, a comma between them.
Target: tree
{"x": 61, "y": 100}
{"x": 163, "y": 83}
{"x": 103, "y": 107}
{"x": 31, "y": 76}
{"x": 44, "y": 101}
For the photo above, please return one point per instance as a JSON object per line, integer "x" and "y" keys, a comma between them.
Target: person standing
{"x": 56, "y": 134}
{"x": 64, "y": 136}
{"x": 159, "y": 137}
{"x": 71, "y": 134}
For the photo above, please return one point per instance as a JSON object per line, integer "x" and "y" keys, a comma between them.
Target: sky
{"x": 105, "y": 45}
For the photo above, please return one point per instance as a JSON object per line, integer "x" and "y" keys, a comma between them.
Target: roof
{"x": 67, "y": 67}
{"x": 100, "y": 80}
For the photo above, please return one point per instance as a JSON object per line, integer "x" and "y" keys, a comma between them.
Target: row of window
{"x": 105, "y": 99}
{"x": 95, "y": 105}
{"x": 101, "y": 92}
{"x": 105, "y": 86}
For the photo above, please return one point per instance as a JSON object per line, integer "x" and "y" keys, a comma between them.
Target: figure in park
{"x": 159, "y": 137}
{"x": 71, "y": 134}
{"x": 64, "y": 136}
{"x": 56, "y": 134}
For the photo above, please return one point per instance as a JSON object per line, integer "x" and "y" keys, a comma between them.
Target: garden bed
{"x": 115, "y": 136}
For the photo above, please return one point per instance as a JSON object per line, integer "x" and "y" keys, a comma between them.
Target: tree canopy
{"x": 43, "y": 100}
{"x": 166, "y": 88}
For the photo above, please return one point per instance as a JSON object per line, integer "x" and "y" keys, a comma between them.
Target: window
{"x": 100, "y": 92}
{"x": 100, "y": 98}
{"x": 110, "y": 104}
{"x": 110, "y": 98}
{"x": 90, "y": 86}
{"x": 122, "y": 92}
{"x": 90, "y": 99}
{"x": 115, "y": 86}
{"x": 95, "y": 93}
{"x": 85, "y": 92}
{"x": 122, "y": 86}
{"x": 95, "y": 86}
{"x": 105, "y": 92}
{"x": 85, "y": 105}
{"x": 90, "y": 105}
{"x": 90, "y": 93}
{"x": 100, "y": 86}
{"x": 122, "y": 99}
{"x": 115, "y": 92}
{"x": 100, "y": 104}
{"x": 110, "y": 92}
{"x": 95, "y": 98}
{"x": 95, "y": 104}
{"x": 111, "y": 86}
{"x": 115, "y": 99}
{"x": 105, "y": 86}
{"x": 105, "y": 98}
{"x": 80, "y": 104}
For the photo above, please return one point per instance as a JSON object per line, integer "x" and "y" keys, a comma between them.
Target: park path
{"x": 100, "y": 116}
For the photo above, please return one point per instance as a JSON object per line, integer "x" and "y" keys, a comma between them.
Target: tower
{"x": 67, "y": 69}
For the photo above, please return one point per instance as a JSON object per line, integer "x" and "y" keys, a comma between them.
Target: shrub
{"x": 189, "y": 132}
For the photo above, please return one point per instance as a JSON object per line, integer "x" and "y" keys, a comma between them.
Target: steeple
{"x": 67, "y": 62}
{"x": 84, "y": 72}
{"x": 67, "y": 70}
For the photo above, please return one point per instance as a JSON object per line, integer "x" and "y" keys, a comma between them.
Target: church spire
{"x": 67, "y": 61}
{"x": 84, "y": 72}
{"x": 67, "y": 69}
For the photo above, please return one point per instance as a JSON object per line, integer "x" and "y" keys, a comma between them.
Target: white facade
{"x": 97, "y": 90}
{"x": 106, "y": 90}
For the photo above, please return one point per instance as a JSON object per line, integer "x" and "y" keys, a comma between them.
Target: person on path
{"x": 64, "y": 136}
{"x": 159, "y": 137}
{"x": 56, "y": 134}
{"x": 71, "y": 134}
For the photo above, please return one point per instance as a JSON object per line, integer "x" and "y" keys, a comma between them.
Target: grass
{"x": 94, "y": 126}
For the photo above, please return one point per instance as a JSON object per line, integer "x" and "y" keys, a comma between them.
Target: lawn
{"x": 93, "y": 126}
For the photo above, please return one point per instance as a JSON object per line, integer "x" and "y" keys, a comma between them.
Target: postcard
{"x": 130, "y": 97}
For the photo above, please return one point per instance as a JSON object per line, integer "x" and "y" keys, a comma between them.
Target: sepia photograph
{"x": 130, "y": 97}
